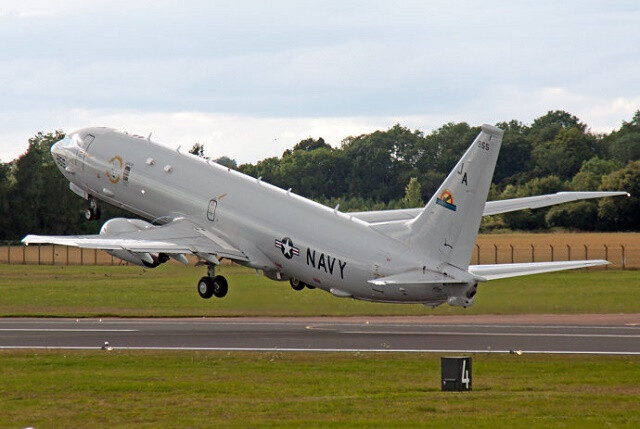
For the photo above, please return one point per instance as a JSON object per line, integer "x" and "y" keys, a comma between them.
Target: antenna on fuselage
{"x": 149, "y": 136}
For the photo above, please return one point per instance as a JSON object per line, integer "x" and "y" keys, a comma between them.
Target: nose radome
{"x": 55, "y": 149}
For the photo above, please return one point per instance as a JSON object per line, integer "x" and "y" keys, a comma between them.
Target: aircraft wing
{"x": 491, "y": 207}
{"x": 501, "y": 271}
{"x": 178, "y": 237}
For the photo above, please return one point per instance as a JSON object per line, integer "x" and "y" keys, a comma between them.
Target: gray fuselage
{"x": 285, "y": 235}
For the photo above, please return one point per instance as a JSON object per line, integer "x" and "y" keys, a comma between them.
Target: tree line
{"x": 389, "y": 169}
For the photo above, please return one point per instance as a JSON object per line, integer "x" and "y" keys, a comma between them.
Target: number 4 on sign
{"x": 465, "y": 374}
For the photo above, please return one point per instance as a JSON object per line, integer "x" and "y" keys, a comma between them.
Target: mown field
{"x": 197, "y": 389}
{"x": 99, "y": 291}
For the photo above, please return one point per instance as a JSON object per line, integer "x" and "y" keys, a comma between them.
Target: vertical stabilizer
{"x": 447, "y": 227}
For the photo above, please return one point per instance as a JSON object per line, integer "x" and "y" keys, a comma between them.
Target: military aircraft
{"x": 195, "y": 206}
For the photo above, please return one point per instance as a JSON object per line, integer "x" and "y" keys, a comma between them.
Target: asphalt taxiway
{"x": 499, "y": 334}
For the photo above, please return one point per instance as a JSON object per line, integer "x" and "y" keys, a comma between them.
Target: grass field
{"x": 189, "y": 389}
{"x": 170, "y": 290}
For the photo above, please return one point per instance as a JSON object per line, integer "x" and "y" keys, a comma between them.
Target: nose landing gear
{"x": 212, "y": 285}
{"x": 93, "y": 212}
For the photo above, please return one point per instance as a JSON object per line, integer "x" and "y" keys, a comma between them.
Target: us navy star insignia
{"x": 287, "y": 248}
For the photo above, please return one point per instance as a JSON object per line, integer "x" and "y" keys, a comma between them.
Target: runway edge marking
{"x": 296, "y": 350}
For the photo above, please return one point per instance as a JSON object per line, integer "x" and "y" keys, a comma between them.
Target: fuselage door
{"x": 211, "y": 210}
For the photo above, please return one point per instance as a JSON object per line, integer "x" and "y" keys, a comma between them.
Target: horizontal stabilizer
{"x": 501, "y": 271}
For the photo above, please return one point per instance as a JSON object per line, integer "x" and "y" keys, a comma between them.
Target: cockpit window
{"x": 81, "y": 142}
{"x": 86, "y": 141}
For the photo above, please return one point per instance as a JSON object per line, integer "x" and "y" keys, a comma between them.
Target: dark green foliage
{"x": 624, "y": 144}
{"x": 372, "y": 171}
{"x": 412, "y": 195}
{"x": 581, "y": 215}
{"x": 592, "y": 172}
{"x": 515, "y": 155}
{"x": 227, "y": 162}
{"x": 622, "y": 213}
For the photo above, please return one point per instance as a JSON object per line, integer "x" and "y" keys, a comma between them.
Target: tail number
{"x": 483, "y": 145}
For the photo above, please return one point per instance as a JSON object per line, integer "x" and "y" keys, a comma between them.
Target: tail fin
{"x": 447, "y": 227}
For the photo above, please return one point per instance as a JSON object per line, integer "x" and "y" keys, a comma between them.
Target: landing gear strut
{"x": 212, "y": 285}
{"x": 93, "y": 212}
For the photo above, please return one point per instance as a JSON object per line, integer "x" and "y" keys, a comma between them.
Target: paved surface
{"x": 615, "y": 334}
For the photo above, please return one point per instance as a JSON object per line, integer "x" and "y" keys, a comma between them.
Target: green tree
{"x": 40, "y": 198}
{"x": 589, "y": 178}
{"x": 412, "y": 195}
{"x": 624, "y": 144}
{"x": 381, "y": 162}
{"x": 438, "y": 153}
{"x": 530, "y": 219}
{"x": 546, "y": 127}
{"x": 514, "y": 162}
{"x": 5, "y": 213}
{"x": 227, "y": 162}
{"x": 622, "y": 213}
{"x": 564, "y": 155}
{"x": 312, "y": 144}
{"x": 198, "y": 150}
{"x": 581, "y": 215}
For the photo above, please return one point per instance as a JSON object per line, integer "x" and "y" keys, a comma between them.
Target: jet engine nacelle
{"x": 114, "y": 227}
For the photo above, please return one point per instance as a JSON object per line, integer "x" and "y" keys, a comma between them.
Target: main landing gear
{"x": 299, "y": 285}
{"x": 211, "y": 284}
{"x": 93, "y": 212}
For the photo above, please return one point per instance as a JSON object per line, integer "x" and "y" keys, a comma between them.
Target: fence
{"x": 60, "y": 255}
{"x": 621, "y": 256}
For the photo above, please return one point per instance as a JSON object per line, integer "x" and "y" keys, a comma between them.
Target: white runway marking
{"x": 297, "y": 350}
{"x": 489, "y": 334}
{"x": 64, "y": 330}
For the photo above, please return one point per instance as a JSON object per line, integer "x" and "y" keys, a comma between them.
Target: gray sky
{"x": 249, "y": 79}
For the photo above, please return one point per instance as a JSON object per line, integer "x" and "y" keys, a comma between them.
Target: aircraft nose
{"x": 62, "y": 154}
{"x": 56, "y": 149}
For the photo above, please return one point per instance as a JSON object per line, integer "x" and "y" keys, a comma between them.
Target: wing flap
{"x": 501, "y": 271}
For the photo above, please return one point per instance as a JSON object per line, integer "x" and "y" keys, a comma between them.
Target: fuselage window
{"x": 211, "y": 211}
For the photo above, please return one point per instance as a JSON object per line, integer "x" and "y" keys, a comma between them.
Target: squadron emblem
{"x": 113, "y": 172}
{"x": 446, "y": 200}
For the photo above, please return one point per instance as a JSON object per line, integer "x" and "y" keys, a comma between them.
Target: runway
{"x": 495, "y": 334}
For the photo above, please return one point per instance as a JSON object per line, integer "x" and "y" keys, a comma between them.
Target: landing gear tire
{"x": 220, "y": 286}
{"x": 297, "y": 284}
{"x": 93, "y": 212}
{"x": 206, "y": 287}
{"x": 309, "y": 286}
